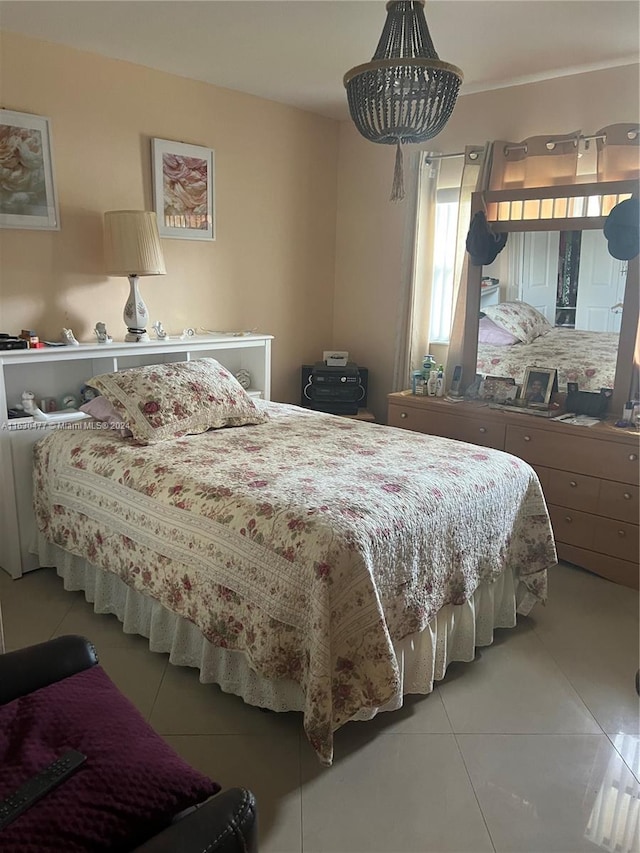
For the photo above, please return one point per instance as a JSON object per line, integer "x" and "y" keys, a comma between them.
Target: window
{"x": 443, "y": 265}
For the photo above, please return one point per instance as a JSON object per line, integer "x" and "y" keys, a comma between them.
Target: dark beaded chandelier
{"x": 406, "y": 93}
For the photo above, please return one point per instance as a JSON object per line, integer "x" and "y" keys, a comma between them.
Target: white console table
{"x": 57, "y": 371}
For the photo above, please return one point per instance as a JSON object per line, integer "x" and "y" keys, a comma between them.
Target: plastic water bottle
{"x": 417, "y": 382}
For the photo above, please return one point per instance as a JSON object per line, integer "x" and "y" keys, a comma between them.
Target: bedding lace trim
{"x": 422, "y": 658}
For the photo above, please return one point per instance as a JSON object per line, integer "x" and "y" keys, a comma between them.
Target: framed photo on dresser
{"x": 538, "y": 386}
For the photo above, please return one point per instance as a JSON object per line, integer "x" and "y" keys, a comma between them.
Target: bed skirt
{"x": 452, "y": 635}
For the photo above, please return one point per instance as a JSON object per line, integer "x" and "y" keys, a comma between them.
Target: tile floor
{"x": 535, "y": 746}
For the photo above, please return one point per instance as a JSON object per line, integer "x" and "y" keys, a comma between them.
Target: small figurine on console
{"x": 102, "y": 335}
{"x": 29, "y": 406}
{"x": 159, "y": 330}
{"x": 69, "y": 338}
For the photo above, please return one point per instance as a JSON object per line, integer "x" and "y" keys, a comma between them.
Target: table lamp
{"x": 132, "y": 248}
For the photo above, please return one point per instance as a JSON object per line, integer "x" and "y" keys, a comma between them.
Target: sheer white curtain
{"x": 475, "y": 175}
{"x": 412, "y": 337}
{"x": 412, "y": 333}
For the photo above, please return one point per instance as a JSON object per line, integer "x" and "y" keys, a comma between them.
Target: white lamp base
{"x": 135, "y": 336}
{"x": 135, "y": 314}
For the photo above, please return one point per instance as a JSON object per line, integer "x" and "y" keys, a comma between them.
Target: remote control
{"x": 39, "y": 785}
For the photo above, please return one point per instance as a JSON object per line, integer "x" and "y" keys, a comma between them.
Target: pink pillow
{"x": 490, "y": 333}
{"x": 102, "y": 410}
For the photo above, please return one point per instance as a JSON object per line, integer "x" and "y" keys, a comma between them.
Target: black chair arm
{"x": 227, "y": 823}
{"x": 33, "y": 667}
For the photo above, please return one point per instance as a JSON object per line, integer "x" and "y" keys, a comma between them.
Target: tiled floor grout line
{"x": 53, "y": 633}
{"x": 466, "y": 769}
{"x": 568, "y": 677}
{"x": 160, "y": 683}
{"x": 475, "y": 793}
{"x": 634, "y": 773}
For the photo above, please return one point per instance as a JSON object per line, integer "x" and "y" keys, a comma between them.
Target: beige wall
{"x": 370, "y": 228}
{"x": 272, "y": 265}
{"x": 308, "y": 246}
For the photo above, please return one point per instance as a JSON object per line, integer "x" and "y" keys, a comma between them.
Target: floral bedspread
{"x": 310, "y": 542}
{"x": 588, "y": 358}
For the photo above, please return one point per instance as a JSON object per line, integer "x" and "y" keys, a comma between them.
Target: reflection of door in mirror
{"x": 571, "y": 278}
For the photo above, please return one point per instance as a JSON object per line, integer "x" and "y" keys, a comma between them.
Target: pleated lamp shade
{"x": 132, "y": 243}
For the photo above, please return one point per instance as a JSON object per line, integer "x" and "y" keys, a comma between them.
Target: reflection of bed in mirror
{"x": 588, "y": 358}
{"x": 570, "y": 278}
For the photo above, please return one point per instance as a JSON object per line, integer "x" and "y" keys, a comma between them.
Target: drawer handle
{"x": 627, "y": 496}
{"x": 633, "y": 456}
{"x": 573, "y": 484}
{"x": 568, "y": 519}
{"x": 527, "y": 438}
{"x": 403, "y": 414}
{"x": 483, "y": 429}
{"x": 621, "y": 533}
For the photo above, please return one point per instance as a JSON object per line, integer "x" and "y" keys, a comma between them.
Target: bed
{"x": 304, "y": 561}
{"x": 515, "y": 336}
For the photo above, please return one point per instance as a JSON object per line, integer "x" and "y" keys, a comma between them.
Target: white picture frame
{"x": 28, "y": 196}
{"x": 183, "y": 189}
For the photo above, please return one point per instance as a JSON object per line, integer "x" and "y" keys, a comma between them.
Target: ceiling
{"x": 297, "y": 51}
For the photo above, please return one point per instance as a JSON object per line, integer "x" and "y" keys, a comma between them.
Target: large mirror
{"x": 583, "y": 316}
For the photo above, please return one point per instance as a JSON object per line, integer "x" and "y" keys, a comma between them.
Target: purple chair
{"x": 133, "y": 793}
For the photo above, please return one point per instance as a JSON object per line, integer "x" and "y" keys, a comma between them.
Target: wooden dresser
{"x": 590, "y": 475}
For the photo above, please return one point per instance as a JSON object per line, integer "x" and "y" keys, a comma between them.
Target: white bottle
{"x": 432, "y": 383}
{"x": 440, "y": 382}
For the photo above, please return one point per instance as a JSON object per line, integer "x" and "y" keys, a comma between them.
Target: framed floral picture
{"x": 27, "y": 188}
{"x": 183, "y": 190}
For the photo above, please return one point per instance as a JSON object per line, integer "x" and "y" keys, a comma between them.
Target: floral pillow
{"x": 523, "y": 321}
{"x": 160, "y": 402}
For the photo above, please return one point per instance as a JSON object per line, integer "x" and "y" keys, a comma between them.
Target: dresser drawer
{"x": 594, "y": 533}
{"x": 617, "y": 538}
{"x": 572, "y": 490}
{"x": 611, "y": 460}
{"x": 543, "y": 475}
{"x": 619, "y": 500}
{"x": 572, "y": 526}
{"x": 473, "y": 430}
